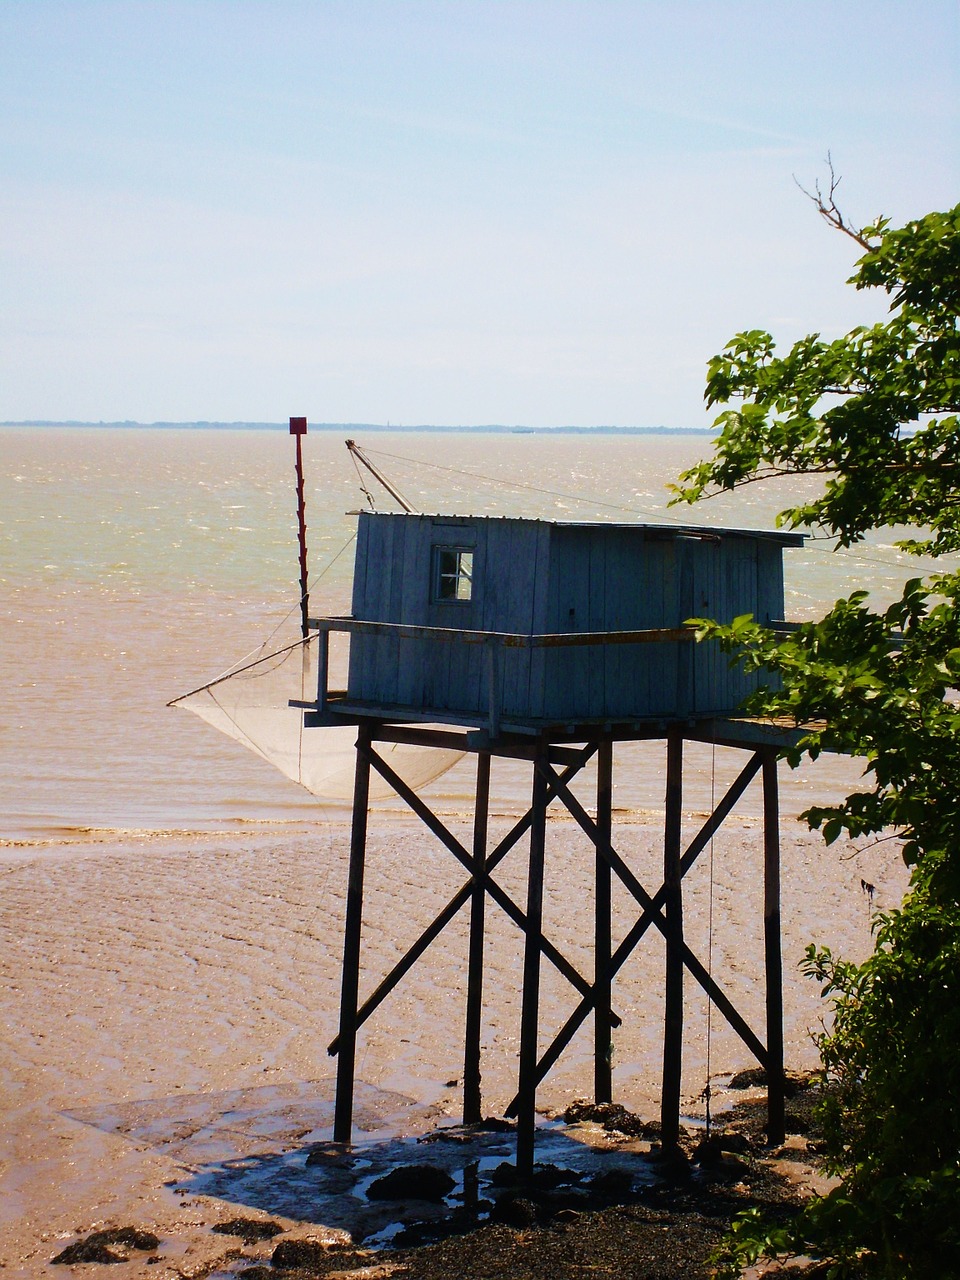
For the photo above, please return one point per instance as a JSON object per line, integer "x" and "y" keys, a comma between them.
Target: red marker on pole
{"x": 298, "y": 428}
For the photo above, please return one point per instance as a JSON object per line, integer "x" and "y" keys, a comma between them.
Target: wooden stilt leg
{"x": 472, "y": 1106}
{"x": 673, "y": 913}
{"x": 772, "y": 951}
{"x": 350, "y": 981}
{"x": 530, "y": 1016}
{"x": 603, "y": 1043}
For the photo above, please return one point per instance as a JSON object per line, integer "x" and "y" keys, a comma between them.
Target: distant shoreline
{"x": 489, "y": 429}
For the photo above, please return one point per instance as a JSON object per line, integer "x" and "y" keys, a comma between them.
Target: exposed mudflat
{"x": 166, "y": 1007}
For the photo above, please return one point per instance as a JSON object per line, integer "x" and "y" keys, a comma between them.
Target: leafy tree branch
{"x": 875, "y": 414}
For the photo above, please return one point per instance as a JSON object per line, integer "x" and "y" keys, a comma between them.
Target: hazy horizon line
{"x": 488, "y": 428}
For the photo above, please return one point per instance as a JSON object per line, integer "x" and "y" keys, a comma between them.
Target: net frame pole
{"x": 350, "y": 980}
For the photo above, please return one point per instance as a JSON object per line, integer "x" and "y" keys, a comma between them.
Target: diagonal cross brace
{"x": 459, "y": 900}
{"x": 503, "y": 899}
{"x": 447, "y": 838}
{"x": 651, "y": 915}
{"x": 606, "y": 850}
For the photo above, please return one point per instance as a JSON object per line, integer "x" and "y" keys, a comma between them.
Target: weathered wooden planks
{"x": 548, "y": 579}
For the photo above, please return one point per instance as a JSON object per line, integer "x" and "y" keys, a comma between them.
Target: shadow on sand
{"x": 268, "y": 1149}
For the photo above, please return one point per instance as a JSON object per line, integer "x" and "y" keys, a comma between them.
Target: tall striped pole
{"x": 298, "y": 428}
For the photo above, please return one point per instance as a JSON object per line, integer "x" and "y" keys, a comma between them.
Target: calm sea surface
{"x": 137, "y": 564}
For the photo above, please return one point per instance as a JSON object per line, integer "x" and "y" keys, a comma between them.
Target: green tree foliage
{"x": 874, "y": 413}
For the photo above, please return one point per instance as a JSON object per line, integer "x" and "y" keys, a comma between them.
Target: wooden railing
{"x": 493, "y": 641}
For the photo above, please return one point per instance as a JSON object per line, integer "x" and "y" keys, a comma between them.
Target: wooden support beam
{"x": 772, "y": 953}
{"x": 530, "y": 1013}
{"x": 602, "y": 1039}
{"x": 664, "y": 911}
{"x": 673, "y": 974}
{"x": 626, "y": 948}
{"x": 414, "y": 735}
{"x": 472, "y": 1102}
{"x": 459, "y": 899}
{"x": 502, "y": 899}
{"x": 403, "y": 966}
{"x": 350, "y": 981}
{"x": 652, "y": 915}
{"x": 323, "y": 666}
{"x": 460, "y": 740}
{"x": 724, "y": 1004}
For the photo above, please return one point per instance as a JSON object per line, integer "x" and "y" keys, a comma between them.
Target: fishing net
{"x": 252, "y": 706}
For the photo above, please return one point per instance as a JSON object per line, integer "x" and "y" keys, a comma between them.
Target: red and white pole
{"x": 298, "y": 428}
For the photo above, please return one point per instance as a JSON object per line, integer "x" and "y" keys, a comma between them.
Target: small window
{"x": 453, "y": 573}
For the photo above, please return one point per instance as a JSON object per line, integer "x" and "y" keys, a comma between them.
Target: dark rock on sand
{"x": 612, "y": 1117}
{"x": 504, "y": 1175}
{"x": 548, "y": 1177}
{"x": 494, "y": 1124}
{"x": 559, "y": 1199}
{"x": 737, "y": 1143}
{"x": 612, "y": 1183}
{"x": 796, "y": 1122}
{"x": 329, "y": 1154}
{"x": 671, "y": 1162}
{"x": 752, "y": 1078}
{"x": 801, "y": 1116}
{"x": 467, "y": 1132}
{"x": 708, "y": 1153}
{"x": 412, "y": 1182}
{"x": 756, "y": 1078}
{"x": 515, "y": 1210}
{"x": 84, "y": 1251}
{"x": 551, "y": 1178}
{"x": 96, "y": 1247}
{"x": 459, "y": 1133}
{"x": 250, "y": 1230}
{"x": 308, "y": 1255}
{"x": 545, "y": 1177}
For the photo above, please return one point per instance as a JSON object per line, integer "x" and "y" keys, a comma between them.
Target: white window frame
{"x": 453, "y": 564}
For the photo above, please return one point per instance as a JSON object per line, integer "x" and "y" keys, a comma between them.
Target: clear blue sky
{"x": 442, "y": 212}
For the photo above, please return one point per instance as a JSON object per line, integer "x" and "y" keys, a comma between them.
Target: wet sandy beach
{"x": 167, "y": 1004}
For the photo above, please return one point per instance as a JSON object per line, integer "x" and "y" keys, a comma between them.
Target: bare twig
{"x": 827, "y": 207}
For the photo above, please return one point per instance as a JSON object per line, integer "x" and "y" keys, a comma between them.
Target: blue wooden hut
{"x": 531, "y": 623}
{"x": 537, "y": 635}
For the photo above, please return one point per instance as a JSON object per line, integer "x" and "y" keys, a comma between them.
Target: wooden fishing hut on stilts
{"x": 549, "y": 642}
